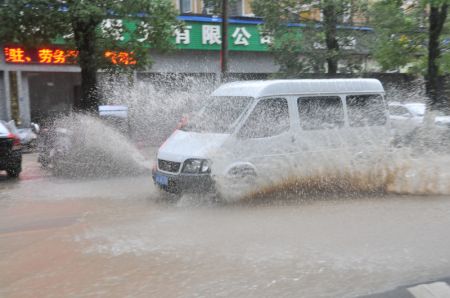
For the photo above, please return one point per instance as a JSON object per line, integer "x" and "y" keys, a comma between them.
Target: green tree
{"x": 290, "y": 42}
{"x": 92, "y": 27}
{"x": 433, "y": 85}
{"x": 400, "y": 36}
{"x": 412, "y": 37}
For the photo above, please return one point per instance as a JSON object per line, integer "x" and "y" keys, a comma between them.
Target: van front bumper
{"x": 178, "y": 183}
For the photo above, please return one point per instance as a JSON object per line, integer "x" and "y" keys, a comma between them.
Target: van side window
{"x": 366, "y": 110}
{"x": 320, "y": 112}
{"x": 270, "y": 117}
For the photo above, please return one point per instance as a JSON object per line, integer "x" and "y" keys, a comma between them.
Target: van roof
{"x": 310, "y": 86}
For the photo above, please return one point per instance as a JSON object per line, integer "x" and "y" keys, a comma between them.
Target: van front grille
{"x": 169, "y": 166}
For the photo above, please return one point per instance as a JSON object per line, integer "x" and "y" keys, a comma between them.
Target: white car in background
{"x": 407, "y": 121}
{"x": 406, "y": 112}
{"x": 27, "y": 136}
{"x": 411, "y": 115}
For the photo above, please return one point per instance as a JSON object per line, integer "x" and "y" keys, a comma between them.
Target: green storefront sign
{"x": 207, "y": 36}
{"x": 249, "y": 37}
{"x": 242, "y": 36}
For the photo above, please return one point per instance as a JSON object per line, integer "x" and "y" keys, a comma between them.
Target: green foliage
{"x": 37, "y": 22}
{"x": 92, "y": 27}
{"x": 433, "y": 2}
{"x": 31, "y": 23}
{"x": 304, "y": 51}
{"x": 287, "y": 46}
{"x": 400, "y": 36}
{"x": 414, "y": 36}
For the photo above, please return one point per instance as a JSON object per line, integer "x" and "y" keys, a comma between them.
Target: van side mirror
{"x": 183, "y": 122}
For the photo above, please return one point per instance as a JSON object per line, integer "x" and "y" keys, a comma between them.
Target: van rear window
{"x": 321, "y": 112}
{"x": 366, "y": 110}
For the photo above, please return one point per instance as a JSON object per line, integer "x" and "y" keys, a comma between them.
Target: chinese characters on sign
{"x": 16, "y": 55}
{"x": 19, "y": 55}
{"x": 183, "y": 35}
{"x": 55, "y": 56}
{"x": 265, "y": 39}
{"x": 194, "y": 35}
{"x": 241, "y": 36}
{"x": 203, "y": 36}
{"x": 211, "y": 34}
{"x": 120, "y": 58}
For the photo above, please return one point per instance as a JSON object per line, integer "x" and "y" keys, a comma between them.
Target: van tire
{"x": 242, "y": 173}
{"x": 242, "y": 177}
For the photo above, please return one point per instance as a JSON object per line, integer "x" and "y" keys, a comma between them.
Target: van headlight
{"x": 196, "y": 166}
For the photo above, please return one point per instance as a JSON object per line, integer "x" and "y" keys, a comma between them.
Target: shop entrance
{"x": 52, "y": 94}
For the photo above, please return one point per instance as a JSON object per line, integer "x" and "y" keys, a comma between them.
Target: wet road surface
{"x": 113, "y": 238}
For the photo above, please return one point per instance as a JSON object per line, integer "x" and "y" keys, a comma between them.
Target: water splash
{"x": 417, "y": 163}
{"x": 88, "y": 147}
{"x": 97, "y": 148}
{"x": 397, "y": 171}
{"x": 155, "y": 107}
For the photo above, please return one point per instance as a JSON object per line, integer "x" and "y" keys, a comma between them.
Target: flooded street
{"x": 112, "y": 237}
{"x": 251, "y": 148}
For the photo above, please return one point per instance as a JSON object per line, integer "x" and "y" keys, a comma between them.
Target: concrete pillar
{"x": 24, "y": 99}
{"x": 7, "y": 95}
{"x": 2, "y": 97}
{"x": 135, "y": 77}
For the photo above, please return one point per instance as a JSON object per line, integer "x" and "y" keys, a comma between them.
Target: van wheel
{"x": 244, "y": 173}
{"x": 238, "y": 182}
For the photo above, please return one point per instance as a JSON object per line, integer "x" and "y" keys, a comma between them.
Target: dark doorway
{"x": 51, "y": 94}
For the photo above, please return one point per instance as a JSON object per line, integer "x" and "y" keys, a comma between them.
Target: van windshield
{"x": 219, "y": 115}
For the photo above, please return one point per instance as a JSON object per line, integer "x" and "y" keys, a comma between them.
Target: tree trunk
{"x": 330, "y": 22}
{"x": 433, "y": 84}
{"x": 85, "y": 39}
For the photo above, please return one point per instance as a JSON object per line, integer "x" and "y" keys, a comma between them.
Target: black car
{"x": 10, "y": 152}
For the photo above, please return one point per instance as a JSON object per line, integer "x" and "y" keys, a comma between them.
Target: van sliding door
{"x": 263, "y": 138}
{"x": 319, "y": 136}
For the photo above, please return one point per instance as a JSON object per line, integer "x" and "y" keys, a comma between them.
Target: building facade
{"x": 36, "y": 83}
{"x": 206, "y": 7}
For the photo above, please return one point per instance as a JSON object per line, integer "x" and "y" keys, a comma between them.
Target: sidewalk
{"x": 31, "y": 168}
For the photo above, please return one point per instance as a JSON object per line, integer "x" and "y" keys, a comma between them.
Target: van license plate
{"x": 162, "y": 180}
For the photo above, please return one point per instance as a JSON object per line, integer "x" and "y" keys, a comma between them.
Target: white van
{"x": 248, "y": 127}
